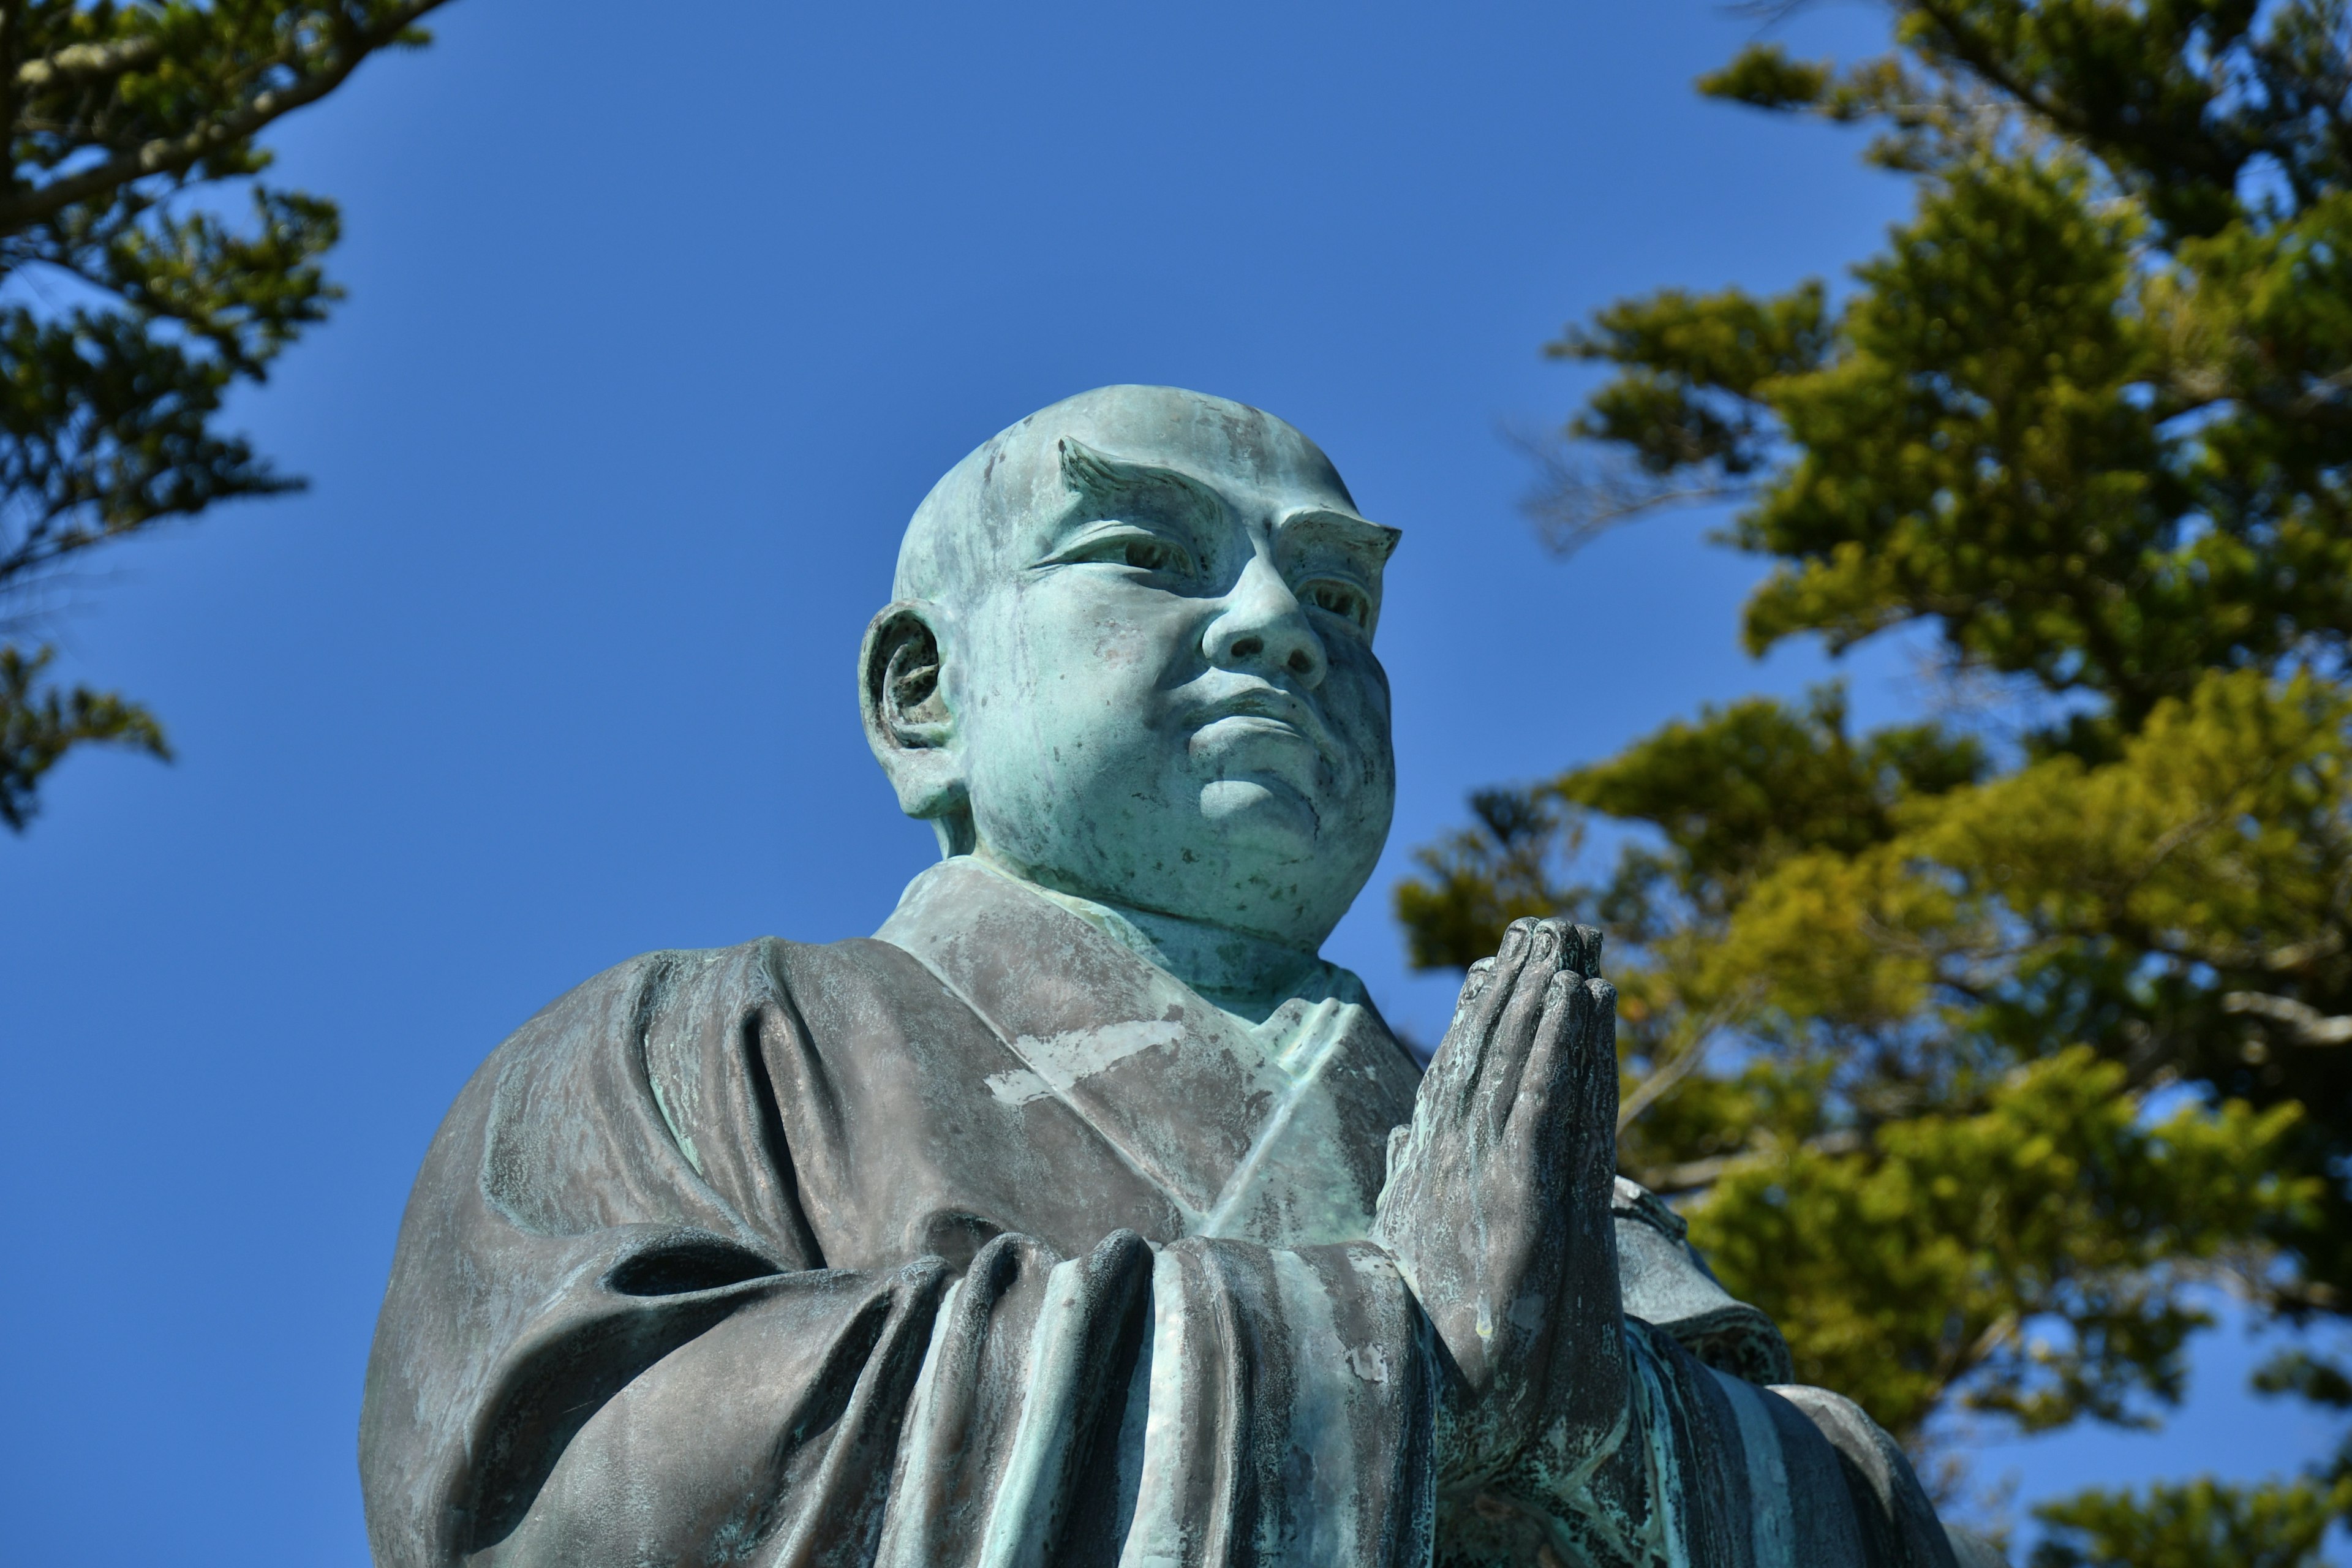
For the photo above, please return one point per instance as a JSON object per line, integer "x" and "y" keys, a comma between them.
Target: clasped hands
{"x": 1496, "y": 1210}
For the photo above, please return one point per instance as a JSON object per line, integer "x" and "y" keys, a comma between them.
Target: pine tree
{"x": 120, "y": 116}
{"x": 1978, "y": 1050}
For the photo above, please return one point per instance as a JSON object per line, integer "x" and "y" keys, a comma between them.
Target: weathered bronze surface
{"x": 1084, "y": 1214}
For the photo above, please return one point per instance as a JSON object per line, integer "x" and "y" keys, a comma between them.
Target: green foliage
{"x": 2313, "y": 1377}
{"x": 119, "y": 114}
{"x": 2039, "y": 1245}
{"x": 39, "y": 724}
{"x": 2094, "y": 442}
{"x": 2203, "y": 1524}
{"x": 1973, "y": 1060}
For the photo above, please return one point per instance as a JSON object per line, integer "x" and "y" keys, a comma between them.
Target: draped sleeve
{"x": 615, "y": 1334}
{"x": 742, "y": 1256}
{"x": 1723, "y": 1459}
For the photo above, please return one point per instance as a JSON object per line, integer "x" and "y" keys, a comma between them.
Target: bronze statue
{"x": 1084, "y": 1214}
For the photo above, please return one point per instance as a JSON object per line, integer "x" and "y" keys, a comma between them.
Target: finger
{"x": 1593, "y": 1091}
{"x": 1588, "y": 951}
{"x": 1463, "y": 1050}
{"x": 1546, "y": 1099}
{"x": 1473, "y": 986}
{"x": 1599, "y": 1072}
{"x": 1514, "y": 1031}
{"x": 1583, "y": 1110}
{"x": 1579, "y": 961}
{"x": 1587, "y": 1365}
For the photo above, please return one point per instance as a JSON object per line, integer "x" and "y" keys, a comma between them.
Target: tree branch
{"x": 1679, "y": 1064}
{"x": 1668, "y": 1181}
{"x": 1573, "y": 502}
{"x": 1996, "y": 1333}
{"x": 2305, "y": 1024}
{"x": 176, "y": 154}
{"x": 1982, "y": 57}
{"x": 89, "y": 62}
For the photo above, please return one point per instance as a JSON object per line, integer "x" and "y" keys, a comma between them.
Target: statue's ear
{"x": 901, "y": 695}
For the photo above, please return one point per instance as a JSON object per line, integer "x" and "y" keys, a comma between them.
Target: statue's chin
{"x": 1261, "y": 811}
{"x": 1259, "y": 857}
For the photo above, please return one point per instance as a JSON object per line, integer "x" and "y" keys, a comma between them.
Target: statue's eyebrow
{"x": 1342, "y": 529}
{"x": 1108, "y": 482}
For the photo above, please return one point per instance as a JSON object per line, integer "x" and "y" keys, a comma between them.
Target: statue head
{"x": 1131, "y": 658}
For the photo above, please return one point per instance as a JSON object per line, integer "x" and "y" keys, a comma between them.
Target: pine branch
{"x": 2305, "y": 1024}
{"x": 177, "y": 154}
{"x": 83, "y": 63}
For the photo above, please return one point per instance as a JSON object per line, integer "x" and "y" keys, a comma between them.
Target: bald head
{"x": 996, "y": 499}
{"x": 1131, "y": 658}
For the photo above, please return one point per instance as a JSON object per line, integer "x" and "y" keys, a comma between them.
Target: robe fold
{"x": 986, "y": 1241}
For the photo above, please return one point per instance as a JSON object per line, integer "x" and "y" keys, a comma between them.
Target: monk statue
{"x": 1084, "y": 1214}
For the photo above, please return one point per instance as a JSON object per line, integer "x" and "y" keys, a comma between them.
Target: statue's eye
{"x": 1125, "y": 545}
{"x": 1341, "y": 599}
{"x": 1146, "y": 553}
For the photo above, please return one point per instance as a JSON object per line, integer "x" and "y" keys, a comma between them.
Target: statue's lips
{"x": 1264, "y": 712}
{"x": 1250, "y": 724}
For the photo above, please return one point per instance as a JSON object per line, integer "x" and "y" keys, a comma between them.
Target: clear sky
{"x": 662, "y": 319}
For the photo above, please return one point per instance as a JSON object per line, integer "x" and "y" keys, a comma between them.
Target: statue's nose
{"x": 1264, "y": 629}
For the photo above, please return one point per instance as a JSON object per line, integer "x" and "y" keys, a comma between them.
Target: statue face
{"x": 1165, "y": 693}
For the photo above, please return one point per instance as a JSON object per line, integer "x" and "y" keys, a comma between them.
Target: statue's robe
{"x": 986, "y": 1241}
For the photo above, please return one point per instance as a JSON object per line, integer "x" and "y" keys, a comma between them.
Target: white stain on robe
{"x": 1056, "y": 1062}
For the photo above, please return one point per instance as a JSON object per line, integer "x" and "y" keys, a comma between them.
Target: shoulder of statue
{"x": 657, "y": 978}
{"x": 1666, "y": 1283}
{"x": 670, "y": 989}
{"x": 763, "y": 961}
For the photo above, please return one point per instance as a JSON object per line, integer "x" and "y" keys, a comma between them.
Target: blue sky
{"x": 662, "y": 319}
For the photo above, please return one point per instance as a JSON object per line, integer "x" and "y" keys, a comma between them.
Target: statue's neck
{"x": 1242, "y": 972}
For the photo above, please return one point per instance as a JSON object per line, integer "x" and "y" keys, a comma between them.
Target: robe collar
{"x": 1274, "y": 1131}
